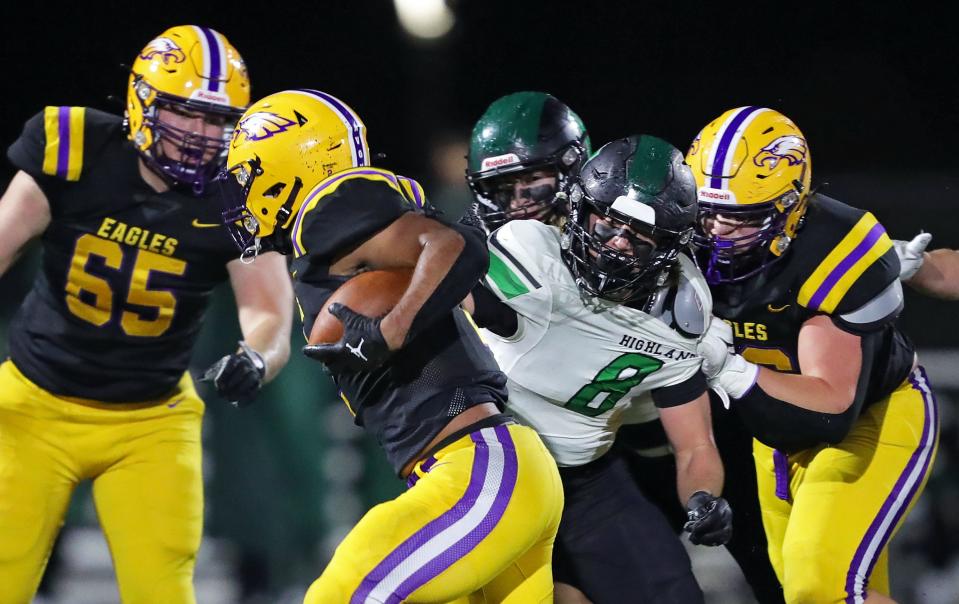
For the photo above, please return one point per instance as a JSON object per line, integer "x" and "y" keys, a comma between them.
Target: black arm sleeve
{"x": 468, "y": 268}
{"x": 789, "y": 428}
{"x": 492, "y": 313}
{"x": 680, "y": 394}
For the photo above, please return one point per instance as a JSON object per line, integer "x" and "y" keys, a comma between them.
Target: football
{"x": 373, "y": 293}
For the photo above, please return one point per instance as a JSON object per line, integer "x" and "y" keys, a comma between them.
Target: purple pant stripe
{"x": 931, "y": 422}
{"x": 720, "y": 157}
{"x": 781, "y": 464}
{"x": 465, "y": 545}
{"x": 442, "y": 522}
{"x": 63, "y": 152}
{"x": 847, "y": 263}
{"x": 213, "y": 83}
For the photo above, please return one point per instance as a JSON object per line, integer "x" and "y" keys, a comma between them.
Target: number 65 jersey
{"x": 580, "y": 366}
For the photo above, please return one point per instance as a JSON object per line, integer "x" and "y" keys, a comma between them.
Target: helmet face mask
{"x": 632, "y": 210}
{"x": 529, "y": 194}
{"x": 187, "y": 88}
{"x": 518, "y": 135}
{"x": 753, "y": 169}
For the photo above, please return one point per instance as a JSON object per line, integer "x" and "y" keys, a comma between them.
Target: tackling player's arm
{"x": 264, "y": 300}
{"x": 699, "y": 469}
{"x": 831, "y": 360}
{"x": 938, "y": 276}
{"x": 698, "y": 466}
{"x": 24, "y": 215}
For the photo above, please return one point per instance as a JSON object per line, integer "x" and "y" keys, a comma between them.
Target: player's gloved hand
{"x": 728, "y": 373}
{"x": 911, "y": 254}
{"x": 238, "y": 377}
{"x": 362, "y": 347}
{"x": 709, "y": 519}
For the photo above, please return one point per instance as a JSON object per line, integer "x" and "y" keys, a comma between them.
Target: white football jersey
{"x": 580, "y": 366}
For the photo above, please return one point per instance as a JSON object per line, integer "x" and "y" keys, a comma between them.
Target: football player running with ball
{"x": 589, "y": 322}
{"x": 844, "y": 421}
{"x": 96, "y": 384}
{"x": 485, "y": 500}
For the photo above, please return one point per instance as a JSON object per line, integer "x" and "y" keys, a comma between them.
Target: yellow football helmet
{"x": 187, "y": 69}
{"x": 752, "y": 168}
{"x": 284, "y": 145}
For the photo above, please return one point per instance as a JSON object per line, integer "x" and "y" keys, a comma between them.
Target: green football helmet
{"x": 523, "y": 150}
{"x": 632, "y": 209}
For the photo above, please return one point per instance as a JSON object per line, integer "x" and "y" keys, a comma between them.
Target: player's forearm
{"x": 698, "y": 469}
{"x": 440, "y": 251}
{"x": 451, "y": 262}
{"x": 807, "y": 392}
{"x": 270, "y": 337}
{"x": 939, "y": 275}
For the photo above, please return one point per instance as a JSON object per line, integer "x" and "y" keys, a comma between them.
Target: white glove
{"x": 727, "y": 372}
{"x": 911, "y": 254}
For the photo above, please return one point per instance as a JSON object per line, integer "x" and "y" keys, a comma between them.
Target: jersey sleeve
{"x": 515, "y": 275}
{"x": 413, "y": 191}
{"x": 857, "y": 273}
{"x": 52, "y": 144}
{"x": 347, "y": 209}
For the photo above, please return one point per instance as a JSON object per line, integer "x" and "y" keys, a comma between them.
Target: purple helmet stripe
{"x": 902, "y": 494}
{"x": 352, "y": 120}
{"x": 719, "y": 156}
{"x": 63, "y": 151}
{"x": 465, "y": 545}
{"x": 323, "y": 186}
{"x": 215, "y": 52}
{"x": 441, "y": 523}
{"x": 847, "y": 263}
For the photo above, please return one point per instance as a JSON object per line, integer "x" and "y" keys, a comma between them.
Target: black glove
{"x": 362, "y": 347}
{"x": 238, "y": 376}
{"x": 710, "y": 519}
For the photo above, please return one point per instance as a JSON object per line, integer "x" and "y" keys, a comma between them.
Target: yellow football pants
{"x": 144, "y": 460}
{"x": 830, "y": 512}
{"x": 477, "y": 526}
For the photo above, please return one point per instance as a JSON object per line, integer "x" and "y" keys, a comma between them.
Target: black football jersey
{"x": 841, "y": 260}
{"x": 126, "y": 272}
{"x": 438, "y": 374}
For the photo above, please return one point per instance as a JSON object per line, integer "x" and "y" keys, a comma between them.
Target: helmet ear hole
{"x": 274, "y": 190}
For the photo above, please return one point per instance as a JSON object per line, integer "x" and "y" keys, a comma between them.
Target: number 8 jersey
{"x": 126, "y": 272}
{"x": 580, "y": 366}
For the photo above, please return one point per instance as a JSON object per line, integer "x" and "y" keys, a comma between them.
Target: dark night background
{"x": 873, "y": 89}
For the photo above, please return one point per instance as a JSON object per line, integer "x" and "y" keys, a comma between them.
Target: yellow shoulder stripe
{"x": 413, "y": 190}
{"x": 330, "y": 185}
{"x": 63, "y": 154}
{"x": 859, "y": 249}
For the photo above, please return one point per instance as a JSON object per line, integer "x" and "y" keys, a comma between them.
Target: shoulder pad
{"x": 880, "y": 310}
{"x": 854, "y": 270}
{"x": 689, "y": 307}
{"x": 345, "y": 209}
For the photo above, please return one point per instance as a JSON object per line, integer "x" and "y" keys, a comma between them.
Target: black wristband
{"x": 789, "y": 428}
